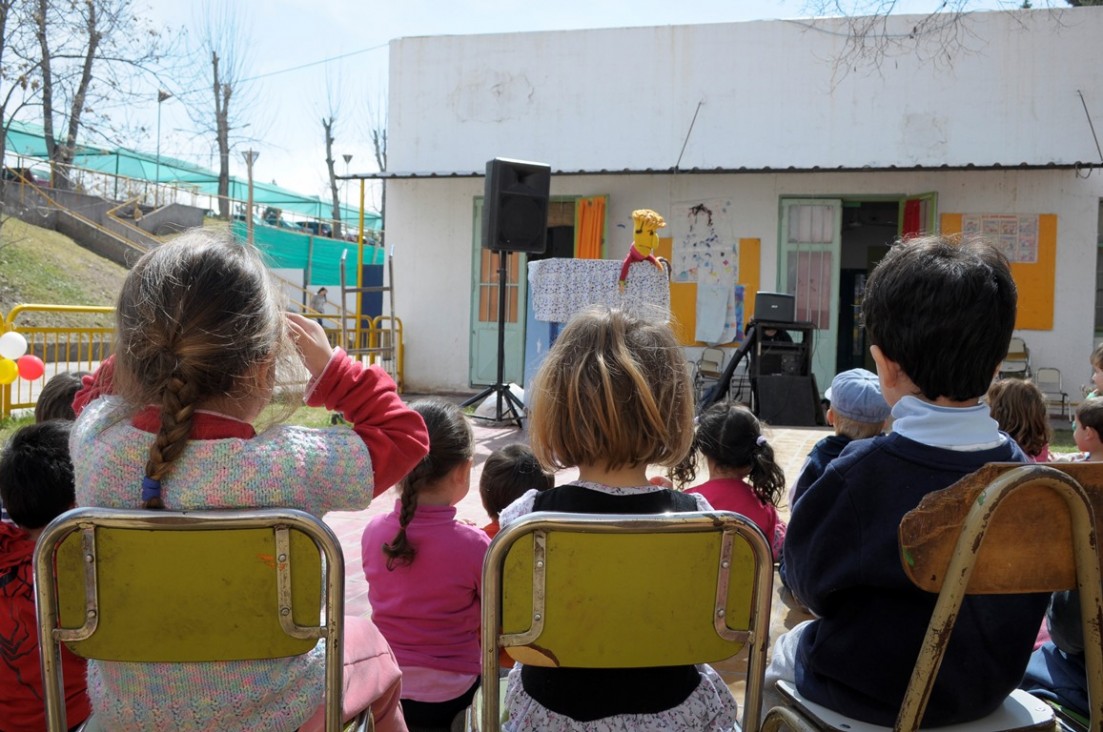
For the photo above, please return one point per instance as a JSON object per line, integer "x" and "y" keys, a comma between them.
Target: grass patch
{"x": 44, "y": 267}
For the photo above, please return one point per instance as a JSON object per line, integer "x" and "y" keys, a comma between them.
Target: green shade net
{"x": 29, "y": 141}
{"x": 318, "y": 255}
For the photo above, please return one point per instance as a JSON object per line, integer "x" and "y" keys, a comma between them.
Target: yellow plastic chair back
{"x": 174, "y": 587}
{"x": 1003, "y": 529}
{"x": 624, "y": 591}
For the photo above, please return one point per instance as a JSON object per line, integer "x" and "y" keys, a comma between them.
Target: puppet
{"x": 645, "y": 224}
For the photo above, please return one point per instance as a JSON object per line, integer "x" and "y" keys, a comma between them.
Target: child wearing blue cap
{"x": 858, "y": 410}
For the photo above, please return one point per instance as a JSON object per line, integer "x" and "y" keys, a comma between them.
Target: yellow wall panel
{"x": 683, "y": 295}
{"x": 750, "y": 265}
{"x": 1036, "y": 281}
{"x": 683, "y": 308}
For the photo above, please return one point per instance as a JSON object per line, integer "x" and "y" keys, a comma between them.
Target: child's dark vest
{"x": 590, "y": 694}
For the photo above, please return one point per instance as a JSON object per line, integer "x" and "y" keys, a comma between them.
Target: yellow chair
{"x": 1004, "y": 529}
{"x": 166, "y": 586}
{"x": 625, "y": 591}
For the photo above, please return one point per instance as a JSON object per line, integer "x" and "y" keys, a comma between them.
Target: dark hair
{"x": 195, "y": 316}
{"x": 1019, "y": 406}
{"x": 944, "y": 311}
{"x": 731, "y": 436}
{"x": 55, "y": 401}
{"x": 507, "y": 474}
{"x": 36, "y": 474}
{"x": 451, "y": 443}
{"x": 1090, "y": 414}
{"x": 613, "y": 390}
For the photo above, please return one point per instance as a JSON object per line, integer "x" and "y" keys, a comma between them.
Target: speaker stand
{"x": 501, "y": 389}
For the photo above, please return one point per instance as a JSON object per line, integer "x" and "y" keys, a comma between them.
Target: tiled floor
{"x": 791, "y": 445}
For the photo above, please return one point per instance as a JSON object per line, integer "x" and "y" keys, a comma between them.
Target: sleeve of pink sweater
{"x": 395, "y": 434}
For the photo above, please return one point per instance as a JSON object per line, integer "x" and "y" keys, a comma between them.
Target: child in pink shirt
{"x": 743, "y": 476}
{"x": 424, "y": 571}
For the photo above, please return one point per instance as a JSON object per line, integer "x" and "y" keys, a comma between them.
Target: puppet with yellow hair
{"x": 645, "y": 224}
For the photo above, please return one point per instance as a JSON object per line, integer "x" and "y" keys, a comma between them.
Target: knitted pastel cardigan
{"x": 311, "y": 469}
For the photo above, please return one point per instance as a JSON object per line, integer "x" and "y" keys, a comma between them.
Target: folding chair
{"x": 1030, "y": 529}
{"x": 707, "y": 370}
{"x": 1016, "y": 364}
{"x": 625, "y": 591}
{"x": 1048, "y": 380}
{"x": 162, "y": 586}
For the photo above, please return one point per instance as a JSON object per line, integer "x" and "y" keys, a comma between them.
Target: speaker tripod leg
{"x": 513, "y": 406}
{"x": 500, "y": 388}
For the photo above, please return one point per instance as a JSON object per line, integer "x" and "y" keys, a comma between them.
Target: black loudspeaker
{"x": 787, "y": 400}
{"x": 515, "y": 211}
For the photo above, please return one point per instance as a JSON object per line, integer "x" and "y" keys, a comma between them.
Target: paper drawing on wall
{"x": 704, "y": 249}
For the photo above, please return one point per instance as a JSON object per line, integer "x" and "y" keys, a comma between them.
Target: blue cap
{"x": 856, "y": 395}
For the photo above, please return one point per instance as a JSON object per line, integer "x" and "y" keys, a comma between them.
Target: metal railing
{"x": 82, "y": 348}
{"x": 61, "y": 348}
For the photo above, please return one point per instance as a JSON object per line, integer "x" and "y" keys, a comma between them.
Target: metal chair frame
{"x": 955, "y": 566}
{"x": 1048, "y": 380}
{"x": 67, "y": 592}
{"x": 740, "y": 549}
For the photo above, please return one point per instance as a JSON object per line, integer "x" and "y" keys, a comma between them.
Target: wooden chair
{"x": 625, "y": 591}
{"x": 1004, "y": 529}
{"x": 161, "y": 586}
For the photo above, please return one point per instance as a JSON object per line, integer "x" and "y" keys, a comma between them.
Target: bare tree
{"x": 20, "y": 71}
{"x": 215, "y": 105}
{"x": 90, "y": 53}
{"x": 377, "y": 132}
{"x": 329, "y": 126}
{"x": 870, "y": 36}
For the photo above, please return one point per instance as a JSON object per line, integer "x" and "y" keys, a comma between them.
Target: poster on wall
{"x": 705, "y": 248}
{"x": 1016, "y": 236}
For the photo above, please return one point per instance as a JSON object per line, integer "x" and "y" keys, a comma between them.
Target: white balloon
{"x": 12, "y": 345}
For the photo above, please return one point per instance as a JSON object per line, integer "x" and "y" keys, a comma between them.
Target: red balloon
{"x": 30, "y": 367}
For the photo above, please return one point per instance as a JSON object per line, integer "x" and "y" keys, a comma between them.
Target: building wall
{"x": 430, "y": 223}
{"x": 766, "y": 94}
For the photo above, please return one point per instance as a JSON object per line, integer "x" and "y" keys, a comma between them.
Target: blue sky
{"x": 298, "y": 47}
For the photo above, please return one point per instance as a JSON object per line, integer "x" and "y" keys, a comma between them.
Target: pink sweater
{"x": 428, "y": 610}
{"x": 227, "y": 465}
{"x": 732, "y": 494}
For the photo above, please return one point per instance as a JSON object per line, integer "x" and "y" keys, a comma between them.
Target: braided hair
{"x": 194, "y": 317}
{"x": 731, "y": 436}
{"x": 451, "y": 443}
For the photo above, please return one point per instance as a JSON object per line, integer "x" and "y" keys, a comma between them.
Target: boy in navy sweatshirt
{"x": 939, "y": 315}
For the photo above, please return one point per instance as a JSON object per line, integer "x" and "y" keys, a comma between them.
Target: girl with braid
{"x": 424, "y": 571}
{"x": 167, "y": 422}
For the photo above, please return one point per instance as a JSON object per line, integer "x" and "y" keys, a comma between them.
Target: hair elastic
{"x": 760, "y": 440}
{"x": 151, "y": 488}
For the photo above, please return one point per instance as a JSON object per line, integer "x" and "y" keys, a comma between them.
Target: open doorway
{"x": 868, "y": 230}
{"x": 827, "y": 248}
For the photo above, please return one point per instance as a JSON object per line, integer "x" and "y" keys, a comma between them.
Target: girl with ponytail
{"x": 424, "y": 571}
{"x": 202, "y": 346}
{"x": 743, "y": 476}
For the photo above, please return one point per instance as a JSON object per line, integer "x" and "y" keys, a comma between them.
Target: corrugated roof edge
{"x": 447, "y": 174}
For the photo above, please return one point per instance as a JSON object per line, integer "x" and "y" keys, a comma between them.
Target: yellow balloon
{"x": 8, "y": 371}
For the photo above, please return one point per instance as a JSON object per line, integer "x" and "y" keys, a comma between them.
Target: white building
{"x": 756, "y": 139}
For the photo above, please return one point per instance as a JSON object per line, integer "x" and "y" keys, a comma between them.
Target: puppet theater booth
{"x": 783, "y": 389}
